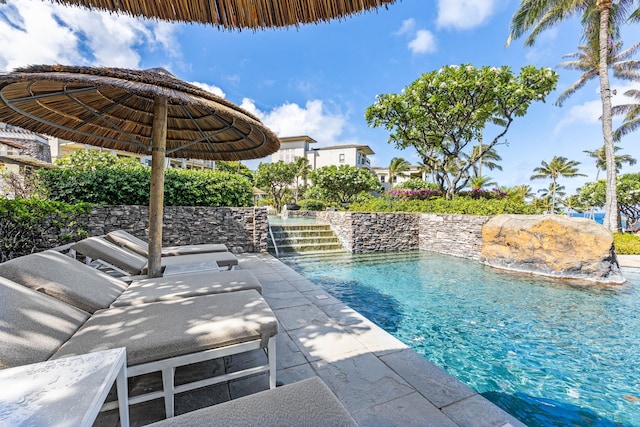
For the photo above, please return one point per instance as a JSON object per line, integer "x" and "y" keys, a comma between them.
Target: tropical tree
{"x": 397, "y": 168}
{"x": 275, "y": 179}
{"x": 631, "y": 112}
{"x": 481, "y": 182}
{"x": 587, "y": 61}
{"x": 234, "y": 167}
{"x": 343, "y": 184}
{"x": 481, "y": 158}
{"x": 303, "y": 169}
{"x": 573, "y": 204}
{"x": 558, "y": 166}
{"x": 550, "y": 196}
{"x": 444, "y": 111}
{"x": 599, "y": 17}
{"x": 521, "y": 192}
{"x": 600, "y": 157}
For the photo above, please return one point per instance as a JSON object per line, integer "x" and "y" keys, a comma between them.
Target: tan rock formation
{"x": 551, "y": 245}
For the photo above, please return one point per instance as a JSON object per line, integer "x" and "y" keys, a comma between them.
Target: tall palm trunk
{"x": 611, "y": 217}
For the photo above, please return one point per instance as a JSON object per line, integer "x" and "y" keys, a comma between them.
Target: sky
{"x": 319, "y": 79}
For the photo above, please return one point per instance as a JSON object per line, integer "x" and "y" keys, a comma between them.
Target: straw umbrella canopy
{"x": 146, "y": 112}
{"x": 236, "y": 14}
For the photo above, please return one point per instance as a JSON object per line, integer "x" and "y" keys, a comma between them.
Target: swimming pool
{"x": 548, "y": 352}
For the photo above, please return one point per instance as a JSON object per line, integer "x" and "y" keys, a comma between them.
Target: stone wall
{"x": 241, "y": 229}
{"x": 457, "y": 235}
{"x": 301, "y": 214}
{"x": 373, "y": 232}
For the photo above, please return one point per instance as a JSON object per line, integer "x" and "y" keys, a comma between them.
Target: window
{"x": 382, "y": 178}
{"x": 341, "y": 158}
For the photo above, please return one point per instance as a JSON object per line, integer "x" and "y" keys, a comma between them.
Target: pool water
{"x": 549, "y": 352}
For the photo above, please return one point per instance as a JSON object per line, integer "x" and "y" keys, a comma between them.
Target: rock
{"x": 551, "y": 245}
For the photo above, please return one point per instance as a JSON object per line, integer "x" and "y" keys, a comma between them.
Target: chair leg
{"x": 168, "y": 376}
{"x": 271, "y": 355}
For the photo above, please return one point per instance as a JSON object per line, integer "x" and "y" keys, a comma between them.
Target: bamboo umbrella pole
{"x": 156, "y": 196}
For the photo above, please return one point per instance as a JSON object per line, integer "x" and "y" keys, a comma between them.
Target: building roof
{"x": 361, "y": 147}
{"x": 26, "y": 161}
{"x": 304, "y": 138}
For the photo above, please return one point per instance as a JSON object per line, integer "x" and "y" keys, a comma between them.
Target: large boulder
{"x": 551, "y": 245}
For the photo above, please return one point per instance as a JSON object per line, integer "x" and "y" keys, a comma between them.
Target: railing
{"x": 275, "y": 246}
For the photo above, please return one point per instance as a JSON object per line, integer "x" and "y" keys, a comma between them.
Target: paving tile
{"x": 361, "y": 381}
{"x": 407, "y": 411}
{"x": 296, "y": 317}
{"x": 476, "y": 411}
{"x": 295, "y": 374}
{"x": 375, "y": 338}
{"x": 278, "y": 300}
{"x": 327, "y": 342}
{"x": 432, "y": 382}
{"x": 287, "y": 352}
{"x": 343, "y": 314}
{"x": 248, "y": 385}
{"x": 246, "y": 360}
{"x": 303, "y": 285}
{"x": 270, "y": 288}
{"x": 321, "y": 298}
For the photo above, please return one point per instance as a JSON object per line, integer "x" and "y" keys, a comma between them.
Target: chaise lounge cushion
{"x": 33, "y": 325}
{"x": 132, "y": 263}
{"x": 187, "y": 285}
{"x": 139, "y": 246}
{"x": 307, "y": 403}
{"x": 162, "y": 330}
{"x": 65, "y": 279}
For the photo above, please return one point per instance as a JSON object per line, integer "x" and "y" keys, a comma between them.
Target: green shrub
{"x": 124, "y": 185}
{"x": 312, "y": 205}
{"x": 460, "y": 205}
{"x": 626, "y": 243}
{"x": 28, "y": 226}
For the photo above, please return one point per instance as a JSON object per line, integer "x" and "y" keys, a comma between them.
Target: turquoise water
{"x": 550, "y": 353}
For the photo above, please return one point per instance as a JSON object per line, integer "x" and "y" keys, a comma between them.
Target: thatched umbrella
{"x": 236, "y": 14}
{"x": 146, "y": 112}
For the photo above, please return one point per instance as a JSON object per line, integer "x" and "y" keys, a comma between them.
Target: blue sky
{"x": 318, "y": 80}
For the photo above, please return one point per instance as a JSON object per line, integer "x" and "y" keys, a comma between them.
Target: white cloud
{"x": 464, "y": 14}
{"x": 293, "y": 120}
{"x": 407, "y": 27}
{"x": 423, "y": 42}
{"x": 33, "y": 32}
{"x": 210, "y": 88}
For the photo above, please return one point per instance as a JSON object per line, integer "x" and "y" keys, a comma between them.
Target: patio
{"x": 378, "y": 379}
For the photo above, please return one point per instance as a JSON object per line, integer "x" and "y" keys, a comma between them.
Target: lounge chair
{"x": 104, "y": 252}
{"x": 307, "y": 403}
{"x": 89, "y": 289}
{"x": 139, "y": 246}
{"x": 159, "y": 337}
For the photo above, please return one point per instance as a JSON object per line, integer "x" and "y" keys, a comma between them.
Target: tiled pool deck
{"x": 379, "y": 380}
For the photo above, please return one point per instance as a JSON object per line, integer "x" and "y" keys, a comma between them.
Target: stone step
{"x": 301, "y": 227}
{"x": 291, "y": 240}
{"x": 307, "y": 233}
{"x": 311, "y": 247}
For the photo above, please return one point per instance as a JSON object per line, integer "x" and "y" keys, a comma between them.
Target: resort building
{"x": 295, "y": 147}
{"x": 385, "y": 178}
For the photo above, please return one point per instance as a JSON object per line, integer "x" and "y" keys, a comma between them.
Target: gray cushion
{"x": 64, "y": 278}
{"x": 161, "y": 330}
{"x": 33, "y": 325}
{"x": 99, "y": 248}
{"x": 307, "y": 403}
{"x": 187, "y": 285}
{"x": 139, "y": 246}
{"x": 223, "y": 259}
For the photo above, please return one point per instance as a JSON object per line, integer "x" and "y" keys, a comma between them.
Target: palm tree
{"x": 587, "y": 61}
{"x": 631, "y": 114}
{"x": 599, "y": 17}
{"x": 397, "y": 168}
{"x": 488, "y": 159}
{"x": 558, "y": 166}
{"x": 480, "y": 182}
{"x": 522, "y": 191}
{"x": 600, "y": 157}
{"x": 550, "y": 195}
{"x": 303, "y": 169}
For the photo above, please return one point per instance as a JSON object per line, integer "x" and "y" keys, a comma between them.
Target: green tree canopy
{"x": 234, "y": 167}
{"x": 275, "y": 179}
{"x": 444, "y": 111}
{"x": 342, "y": 184}
{"x": 628, "y": 186}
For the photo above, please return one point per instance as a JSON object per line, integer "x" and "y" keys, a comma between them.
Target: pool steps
{"x": 308, "y": 238}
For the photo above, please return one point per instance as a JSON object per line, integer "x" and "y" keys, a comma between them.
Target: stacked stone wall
{"x": 241, "y": 229}
{"x": 457, "y": 235}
